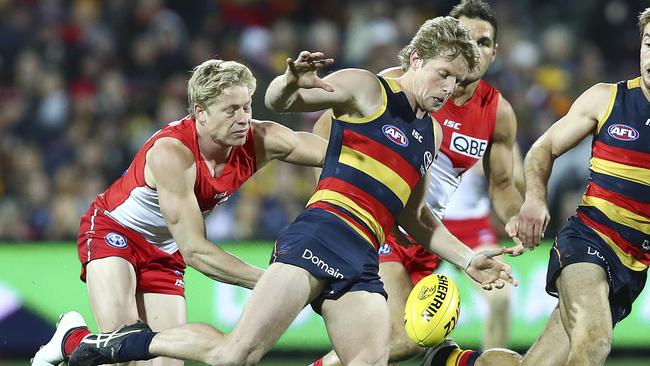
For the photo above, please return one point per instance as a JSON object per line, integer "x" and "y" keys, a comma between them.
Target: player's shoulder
{"x": 600, "y": 91}
{"x": 487, "y": 90}
{"x": 266, "y": 128}
{"x": 170, "y": 151}
{"x": 354, "y": 78}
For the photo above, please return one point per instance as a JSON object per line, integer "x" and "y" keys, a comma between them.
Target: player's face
{"x": 435, "y": 81}
{"x": 228, "y": 119}
{"x": 645, "y": 56}
{"x": 482, "y": 32}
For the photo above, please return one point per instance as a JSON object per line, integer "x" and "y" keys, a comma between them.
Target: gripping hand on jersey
{"x": 302, "y": 71}
{"x": 487, "y": 271}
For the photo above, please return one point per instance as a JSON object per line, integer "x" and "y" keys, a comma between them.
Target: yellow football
{"x": 432, "y": 310}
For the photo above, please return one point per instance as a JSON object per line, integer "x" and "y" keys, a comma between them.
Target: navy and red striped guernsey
{"x": 373, "y": 163}
{"x": 616, "y": 204}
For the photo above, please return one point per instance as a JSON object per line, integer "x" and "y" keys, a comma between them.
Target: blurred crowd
{"x": 83, "y": 83}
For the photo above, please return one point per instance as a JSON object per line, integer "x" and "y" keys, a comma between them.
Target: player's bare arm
{"x": 581, "y": 121}
{"x": 349, "y": 92}
{"x": 322, "y": 128}
{"x": 498, "y": 168}
{"x": 171, "y": 170}
{"x": 274, "y": 141}
{"x": 425, "y": 228}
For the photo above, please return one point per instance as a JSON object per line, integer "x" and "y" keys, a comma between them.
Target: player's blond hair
{"x": 441, "y": 37}
{"x": 212, "y": 77}
{"x": 644, "y": 19}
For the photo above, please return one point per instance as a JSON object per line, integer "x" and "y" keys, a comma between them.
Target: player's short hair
{"x": 441, "y": 37}
{"x": 476, "y": 9}
{"x": 644, "y": 19}
{"x": 212, "y": 77}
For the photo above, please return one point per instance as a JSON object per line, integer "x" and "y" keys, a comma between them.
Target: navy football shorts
{"x": 577, "y": 243}
{"x": 321, "y": 243}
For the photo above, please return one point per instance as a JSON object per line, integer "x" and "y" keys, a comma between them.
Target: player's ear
{"x": 416, "y": 61}
{"x": 494, "y": 53}
{"x": 199, "y": 113}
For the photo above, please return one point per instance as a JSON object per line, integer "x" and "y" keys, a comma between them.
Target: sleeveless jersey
{"x": 132, "y": 203}
{"x": 471, "y": 199}
{"x": 467, "y": 130}
{"x": 616, "y": 203}
{"x": 373, "y": 163}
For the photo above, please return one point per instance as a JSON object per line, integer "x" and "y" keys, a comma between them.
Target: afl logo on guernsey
{"x": 395, "y": 135}
{"x": 116, "y": 240}
{"x": 623, "y": 132}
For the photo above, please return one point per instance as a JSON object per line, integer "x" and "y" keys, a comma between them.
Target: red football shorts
{"x": 156, "y": 271}
{"x": 419, "y": 263}
{"x": 473, "y": 232}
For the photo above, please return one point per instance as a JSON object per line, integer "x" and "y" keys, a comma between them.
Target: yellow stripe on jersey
{"x": 634, "y": 83}
{"x": 363, "y": 235}
{"x": 627, "y": 260}
{"x": 622, "y": 171}
{"x": 394, "y": 86}
{"x": 610, "y": 106}
{"x": 373, "y": 116}
{"x": 338, "y": 199}
{"x": 377, "y": 170}
{"x": 619, "y": 214}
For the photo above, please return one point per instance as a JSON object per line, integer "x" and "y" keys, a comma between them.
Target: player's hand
{"x": 487, "y": 271}
{"x": 517, "y": 250}
{"x": 512, "y": 227}
{"x": 301, "y": 72}
{"x": 533, "y": 219}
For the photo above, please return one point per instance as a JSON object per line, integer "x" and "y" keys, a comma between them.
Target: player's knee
{"x": 377, "y": 359}
{"x": 402, "y": 348}
{"x": 236, "y": 354}
{"x": 594, "y": 341}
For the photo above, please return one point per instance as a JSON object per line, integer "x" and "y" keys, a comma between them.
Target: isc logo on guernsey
{"x": 395, "y": 135}
{"x": 623, "y": 132}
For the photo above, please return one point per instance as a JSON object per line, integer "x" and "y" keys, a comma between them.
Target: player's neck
{"x": 212, "y": 150}
{"x": 403, "y": 83}
{"x": 644, "y": 89}
{"x": 463, "y": 92}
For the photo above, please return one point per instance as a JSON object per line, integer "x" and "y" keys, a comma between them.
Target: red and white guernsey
{"x": 471, "y": 200}
{"x": 467, "y": 131}
{"x": 132, "y": 203}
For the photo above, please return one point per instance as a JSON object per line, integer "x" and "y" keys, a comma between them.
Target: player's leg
{"x": 277, "y": 299}
{"x": 160, "y": 296}
{"x": 358, "y": 326}
{"x": 111, "y": 286}
{"x": 551, "y": 348}
{"x": 162, "y": 311}
{"x": 585, "y": 311}
{"x": 397, "y": 284}
{"x": 479, "y": 234}
{"x": 496, "y": 326}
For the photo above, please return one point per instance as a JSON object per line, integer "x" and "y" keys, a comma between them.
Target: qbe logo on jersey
{"x": 395, "y": 135}
{"x": 468, "y": 146}
{"x": 623, "y": 132}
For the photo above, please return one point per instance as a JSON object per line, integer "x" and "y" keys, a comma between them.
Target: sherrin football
{"x": 432, "y": 310}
